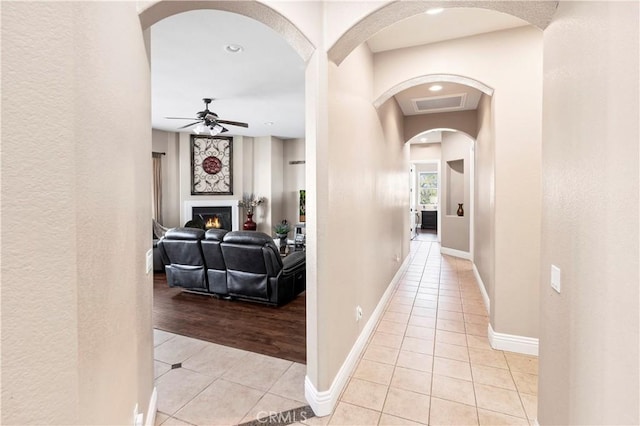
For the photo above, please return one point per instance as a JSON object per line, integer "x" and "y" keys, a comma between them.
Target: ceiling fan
{"x": 208, "y": 120}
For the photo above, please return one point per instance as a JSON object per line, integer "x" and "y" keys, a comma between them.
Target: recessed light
{"x": 435, "y": 88}
{"x": 423, "y": 140}
{"x": 233, "y": 48}
{"x": 268, "y": 123}
{"x": 434, "y": 10}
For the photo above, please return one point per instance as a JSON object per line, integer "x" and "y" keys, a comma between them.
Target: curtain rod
{"x": 159, "y": 153}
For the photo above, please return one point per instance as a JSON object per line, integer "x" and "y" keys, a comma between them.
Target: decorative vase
{"x": 249, "y": 225}
{"x": 460, "y": 210}
{"x": 282, "y": 238}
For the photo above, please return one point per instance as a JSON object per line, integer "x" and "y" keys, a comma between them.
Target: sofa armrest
{"x": 294, "y": 261}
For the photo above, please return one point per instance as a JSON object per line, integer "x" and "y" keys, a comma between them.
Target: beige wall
{"x": 184, "y": 152}
{"x": 464, "y": 121}
{"x": 456, "y": 188}
{"x": 589, "y": 332}
{"x": 167, "y": 142}
{"x": 484, "y": 196}
{"x": 267, "y": 181}
{"x": 368, "y": 192}
{"x": 426, "y": 151}
{"x": 510, "y": 62}
{"x": 265, "y": 175}
{"x": 76, "y": 301}
{"x": 293, "y": 179}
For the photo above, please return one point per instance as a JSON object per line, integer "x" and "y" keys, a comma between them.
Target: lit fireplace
{"x": 213, "y": 222}
{"x": 213, "y": 217}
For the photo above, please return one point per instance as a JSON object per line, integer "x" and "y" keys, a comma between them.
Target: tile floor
{"x": 202, "y": 383}
{"x": 428, "y": 362}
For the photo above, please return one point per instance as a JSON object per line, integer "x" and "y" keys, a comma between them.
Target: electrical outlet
{"x": 555, "y": 278}
{"x": 397, "y": 258}
{"x": 358, "y": 313}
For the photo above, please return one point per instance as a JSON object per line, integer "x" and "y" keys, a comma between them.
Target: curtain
{"x": 156, "y": 194}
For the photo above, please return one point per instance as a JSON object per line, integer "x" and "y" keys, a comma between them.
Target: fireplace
{"x": 213, "y": 217}
{"x": 225, "y": 212}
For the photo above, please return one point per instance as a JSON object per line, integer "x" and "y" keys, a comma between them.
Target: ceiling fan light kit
{"x": 208, "y": 120}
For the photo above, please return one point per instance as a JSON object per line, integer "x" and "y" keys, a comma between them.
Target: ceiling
{"x": 452, "y": 97}
{"x": 263, "y": 85}
{"x": 450, "y": 24}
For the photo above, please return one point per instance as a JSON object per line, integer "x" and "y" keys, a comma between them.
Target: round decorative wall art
{"x": 211, "y": 165}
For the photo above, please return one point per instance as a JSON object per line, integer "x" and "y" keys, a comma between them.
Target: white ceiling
{"x": 450, "y": 24}
{"x": 265, "y": 82}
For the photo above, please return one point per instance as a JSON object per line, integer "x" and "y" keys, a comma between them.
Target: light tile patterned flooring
{"x": 221, "y": 385}
{"x": 428, "y": 362}
{"x": 429, "y": 359}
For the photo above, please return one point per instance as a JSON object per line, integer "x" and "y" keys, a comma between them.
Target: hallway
{"x": 429, "y": 361}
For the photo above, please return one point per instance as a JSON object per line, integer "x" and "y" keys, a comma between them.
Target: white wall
{"x": 589, "y": 345}
{"x": 455, "y": 189}
{"x": 77, "y": 346}
{"x": 510, "y": 62}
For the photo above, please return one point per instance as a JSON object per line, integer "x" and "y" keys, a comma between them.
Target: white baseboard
{"x": 456, "y": 253}
{"x": 513, "y": 343}
{"x": 323, "y": 402}
{"x": 483, "y": 289}
{"x": 153, "y": 408}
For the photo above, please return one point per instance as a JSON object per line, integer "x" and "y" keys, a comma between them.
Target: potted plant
{"x": 282, "y": 229}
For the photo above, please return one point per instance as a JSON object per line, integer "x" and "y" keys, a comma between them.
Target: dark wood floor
{"x": 278, "y": 332}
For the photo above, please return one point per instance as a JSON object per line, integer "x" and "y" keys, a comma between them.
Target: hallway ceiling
{"x": 263, "y": 85}
{"x": 450, "y": 24}
{"x": 453, "y": 97}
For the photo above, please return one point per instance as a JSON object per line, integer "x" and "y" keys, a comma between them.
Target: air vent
{"x": 440, "y": 103}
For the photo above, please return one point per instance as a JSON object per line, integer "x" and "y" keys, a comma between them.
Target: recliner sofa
{"x": 238, "y": 265}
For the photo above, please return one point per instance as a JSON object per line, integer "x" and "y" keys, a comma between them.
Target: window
{"x": 428, "y": 186}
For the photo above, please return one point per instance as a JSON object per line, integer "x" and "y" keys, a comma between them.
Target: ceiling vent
{"x": 440, "y": 103}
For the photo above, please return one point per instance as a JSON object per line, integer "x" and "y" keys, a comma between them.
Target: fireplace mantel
{"x": 235, "y": 211}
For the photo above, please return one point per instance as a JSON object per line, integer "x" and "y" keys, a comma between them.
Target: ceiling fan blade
{"x": 233, "y": 123}
{"x": 189, "y": 125}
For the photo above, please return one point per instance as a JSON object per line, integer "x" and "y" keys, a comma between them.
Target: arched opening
{"x": 250, "y": 151}
{"x": 443, "y": 199}
{"x": 537, "y": 14}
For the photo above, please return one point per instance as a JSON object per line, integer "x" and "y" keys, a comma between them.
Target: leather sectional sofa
{"x": 238, "y": 265}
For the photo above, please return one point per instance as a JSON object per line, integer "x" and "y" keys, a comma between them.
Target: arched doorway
{"x": 304, "y": 48}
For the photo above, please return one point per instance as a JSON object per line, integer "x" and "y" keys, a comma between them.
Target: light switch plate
{"x": 149, "y": 261}
{"x": 555, "y": 278}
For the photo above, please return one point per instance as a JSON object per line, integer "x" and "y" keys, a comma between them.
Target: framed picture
{"x": 211, "y": 165}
